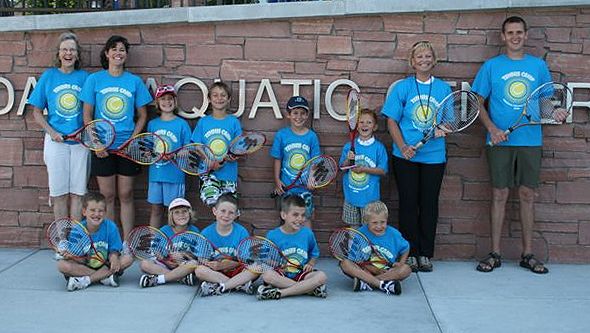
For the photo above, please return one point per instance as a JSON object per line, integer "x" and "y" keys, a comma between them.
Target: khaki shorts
{"x": 514, "y": 166}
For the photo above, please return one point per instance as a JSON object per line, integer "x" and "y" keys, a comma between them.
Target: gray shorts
{"x": 512, "y": 166}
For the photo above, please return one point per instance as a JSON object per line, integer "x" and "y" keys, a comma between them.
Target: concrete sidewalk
{"x": 453, "y": 298}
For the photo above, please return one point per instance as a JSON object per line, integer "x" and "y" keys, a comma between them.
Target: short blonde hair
{"x": 374, "y": 208}
{"x": 421, "y": 45}
{"x": 171, "y": 220}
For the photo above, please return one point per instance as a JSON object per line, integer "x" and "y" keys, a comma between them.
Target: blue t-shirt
{"x": 169, "y": 231}
{"x": 60, "y": 94}
{"x": 115, "y": 99}
{"x": 218, "y": 134}
{"x": 225, "y": 244}
{"x": 362, "y": 188}
{"x": 106, "y": 239}
{"x": 507, "y": 83}
{"x": 414, "y": 118}
{"x": 391, "y": 244}
{"x": 294, "y": 151}
{"x": 299, "y": 247}
{"x": 176, "y": 133}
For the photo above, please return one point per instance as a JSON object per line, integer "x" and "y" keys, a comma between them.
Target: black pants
{"x": 418, "y": 185}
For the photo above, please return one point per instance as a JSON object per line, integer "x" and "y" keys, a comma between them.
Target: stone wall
{"x": 369, "y": 50}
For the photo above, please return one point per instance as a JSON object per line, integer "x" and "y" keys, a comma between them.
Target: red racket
{"x": 259, "y": 254}
{"x": 316, "y": 173}
{"x": 144, "y": 148}
{"x": 351, "y": 244}
{"x": 97, "y": 135}
{"x": 194, "y": 158}
{"x": 71, "y": 238}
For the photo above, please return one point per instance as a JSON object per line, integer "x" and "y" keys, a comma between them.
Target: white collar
{"x": 367, "y": 142}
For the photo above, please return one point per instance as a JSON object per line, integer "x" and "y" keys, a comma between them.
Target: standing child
{"x": 361, "y": 183}
{"x": 390, "y": 244}
{"x": 166, "y": 181}
{"x": 180, "y": 215}
{"x": 107, "y": 242}
{"x": 225, "y": 273}
{"x": 293, "y": 146}
{"x": 299, "y": 245}
{"x": 217, "y": 130}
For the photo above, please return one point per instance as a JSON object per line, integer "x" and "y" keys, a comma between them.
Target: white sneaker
{"x": 209, "y": 288}
{"x": 247, "y": 287}
{"x": 111, "y": 281}
{"x": 360, "y": 285}
{"x": 78, "y": 283}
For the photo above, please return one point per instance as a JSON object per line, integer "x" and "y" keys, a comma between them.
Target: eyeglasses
{"x": 64, "y": 50}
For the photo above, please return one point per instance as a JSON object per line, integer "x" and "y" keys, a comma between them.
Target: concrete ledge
{"x": 271, "y": 11}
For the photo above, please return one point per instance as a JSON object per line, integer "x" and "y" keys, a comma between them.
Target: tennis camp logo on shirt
{"x": 67, "y": 102}
{"x": 359, "y": 181}
{"x": 423, "y": 113}
{"x": 170, "y": 140}
{"x": 517, "y": 86}
{"x": 297, "y": 257}
{"x": 114, "y": 103}
{"x": 218, "y": 139}
{"x": 297, "y": 153}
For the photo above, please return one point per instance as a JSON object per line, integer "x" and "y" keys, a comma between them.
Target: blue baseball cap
{"x": 297, "y": 102}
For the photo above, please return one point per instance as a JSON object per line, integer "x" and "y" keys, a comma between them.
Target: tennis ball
{"x": 517, "y": 89}
{"x": 297, "y": 161}
{"x": 218, "y": 147}
{"x": 68, "y": 101}
{"x": 115, "y": 104}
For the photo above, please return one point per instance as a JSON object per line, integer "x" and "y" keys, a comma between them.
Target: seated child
{"x": 391, "y": 245}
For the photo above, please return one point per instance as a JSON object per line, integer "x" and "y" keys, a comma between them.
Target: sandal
{"x": 533, "y": 264}
{"x": 490, "y": 262}
{"x": 413, "y": 263}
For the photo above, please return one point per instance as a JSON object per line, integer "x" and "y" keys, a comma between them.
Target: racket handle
{"x": 419, "y": 144}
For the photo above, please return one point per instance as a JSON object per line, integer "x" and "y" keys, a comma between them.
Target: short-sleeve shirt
{"x": 413, "y": 104}
{"x": 115, "y": 99}
{"x": 362, "y": 188}
{"x": 227, "y": 244}
{"x": 391, "y": 244}
{"x": 60, "y": 93}
{"x": 175, "y": 133}
{"x": 507, "y": 83}
{"x": 299, "y": 247}
{"x": 218, "y": 134}
{"x": 107, "y": 238}
{"x": 294, "y": 150}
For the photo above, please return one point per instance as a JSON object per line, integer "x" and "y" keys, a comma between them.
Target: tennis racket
{"x": 148, "y": 243}
{"x": 543, "y": 105}
{"x": 194, "y": 158}
{"x": 68, "y": 237}
{"x": 260, "y": 255}
{"x": 353, "y": 107}
{"x": 351, "y": 244}
{"x": 316, "y": 173}
{"x": 144, "y": 148}
{"x": 97, "y": 135}
{"x": 191, "y": 248}
{"x": 245, "y": 144}
{"x": 455, "y": 113}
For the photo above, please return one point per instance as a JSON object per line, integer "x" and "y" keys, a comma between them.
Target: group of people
{"x": 74, "y": 97}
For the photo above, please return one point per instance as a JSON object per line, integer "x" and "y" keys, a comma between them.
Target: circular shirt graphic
{"x": 516, "y": 91}
{"x": 68, "y": 104}
{"x": 218, "y": 147}
{"x": 422, "y": 116}
{"x": 297, "y": 161}
{"x": 115, "y": 106}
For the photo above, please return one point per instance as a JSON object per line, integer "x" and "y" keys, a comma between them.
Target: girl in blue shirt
{"x": 58, "y": 90}
{"x": 410, "y": 111}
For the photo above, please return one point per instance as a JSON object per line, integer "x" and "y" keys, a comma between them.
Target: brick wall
{"x": 368, "y": 50}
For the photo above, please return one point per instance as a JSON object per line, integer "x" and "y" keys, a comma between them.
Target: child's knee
{"x": 64, "y": 266}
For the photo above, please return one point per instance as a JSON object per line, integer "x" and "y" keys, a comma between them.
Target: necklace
{"x": 425, "y": 111}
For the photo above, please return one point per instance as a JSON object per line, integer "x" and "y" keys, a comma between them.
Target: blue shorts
{"x": 160, "y": 193}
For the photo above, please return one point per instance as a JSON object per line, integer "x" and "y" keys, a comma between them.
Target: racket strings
{"x": 457, "y": 111}
{"x": 319, "y": 172}
{"x": 68, "y": 236}
{"x": 147, "y": 148}
{"x": 98, "y": 135}
{"x": 146, "y": 243}
{"x": 193, "y": 246}
{"x": 348, "y": 244}
{"x": 247, "y": 143}
{"x": 259, "y": 254}
{"x": 544, "y": 101}
{"x": 194, "y": 159}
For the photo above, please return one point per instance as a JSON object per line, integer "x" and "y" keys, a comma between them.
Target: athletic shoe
{"x": 209, "y": 288}
{"x": 78, "y": 283}
{"x": 148, "y": 280}
{"x": 189, "y": 280}
{"x": 247, "y": 287}
{"x": 413, "y": 263}
{"x": 360, "y": 285}
{"x": 391, "y": 287}
{"x": 267, "y": 292}
{"x": 111, "y": 281}
{"x": 320, "y": 291}
{"x": 424, "y": 264}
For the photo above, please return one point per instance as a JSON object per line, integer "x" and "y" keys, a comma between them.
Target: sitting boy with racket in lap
{"x": 103, "y": 263}
{"x": 161, "y": 271}
{"x": 361, "y": 181}
{"x": 292, "y": 147}
{"x": 225, "y": 273}
{"x": 298, "y": 244}
{"x": 392, "y": 247}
